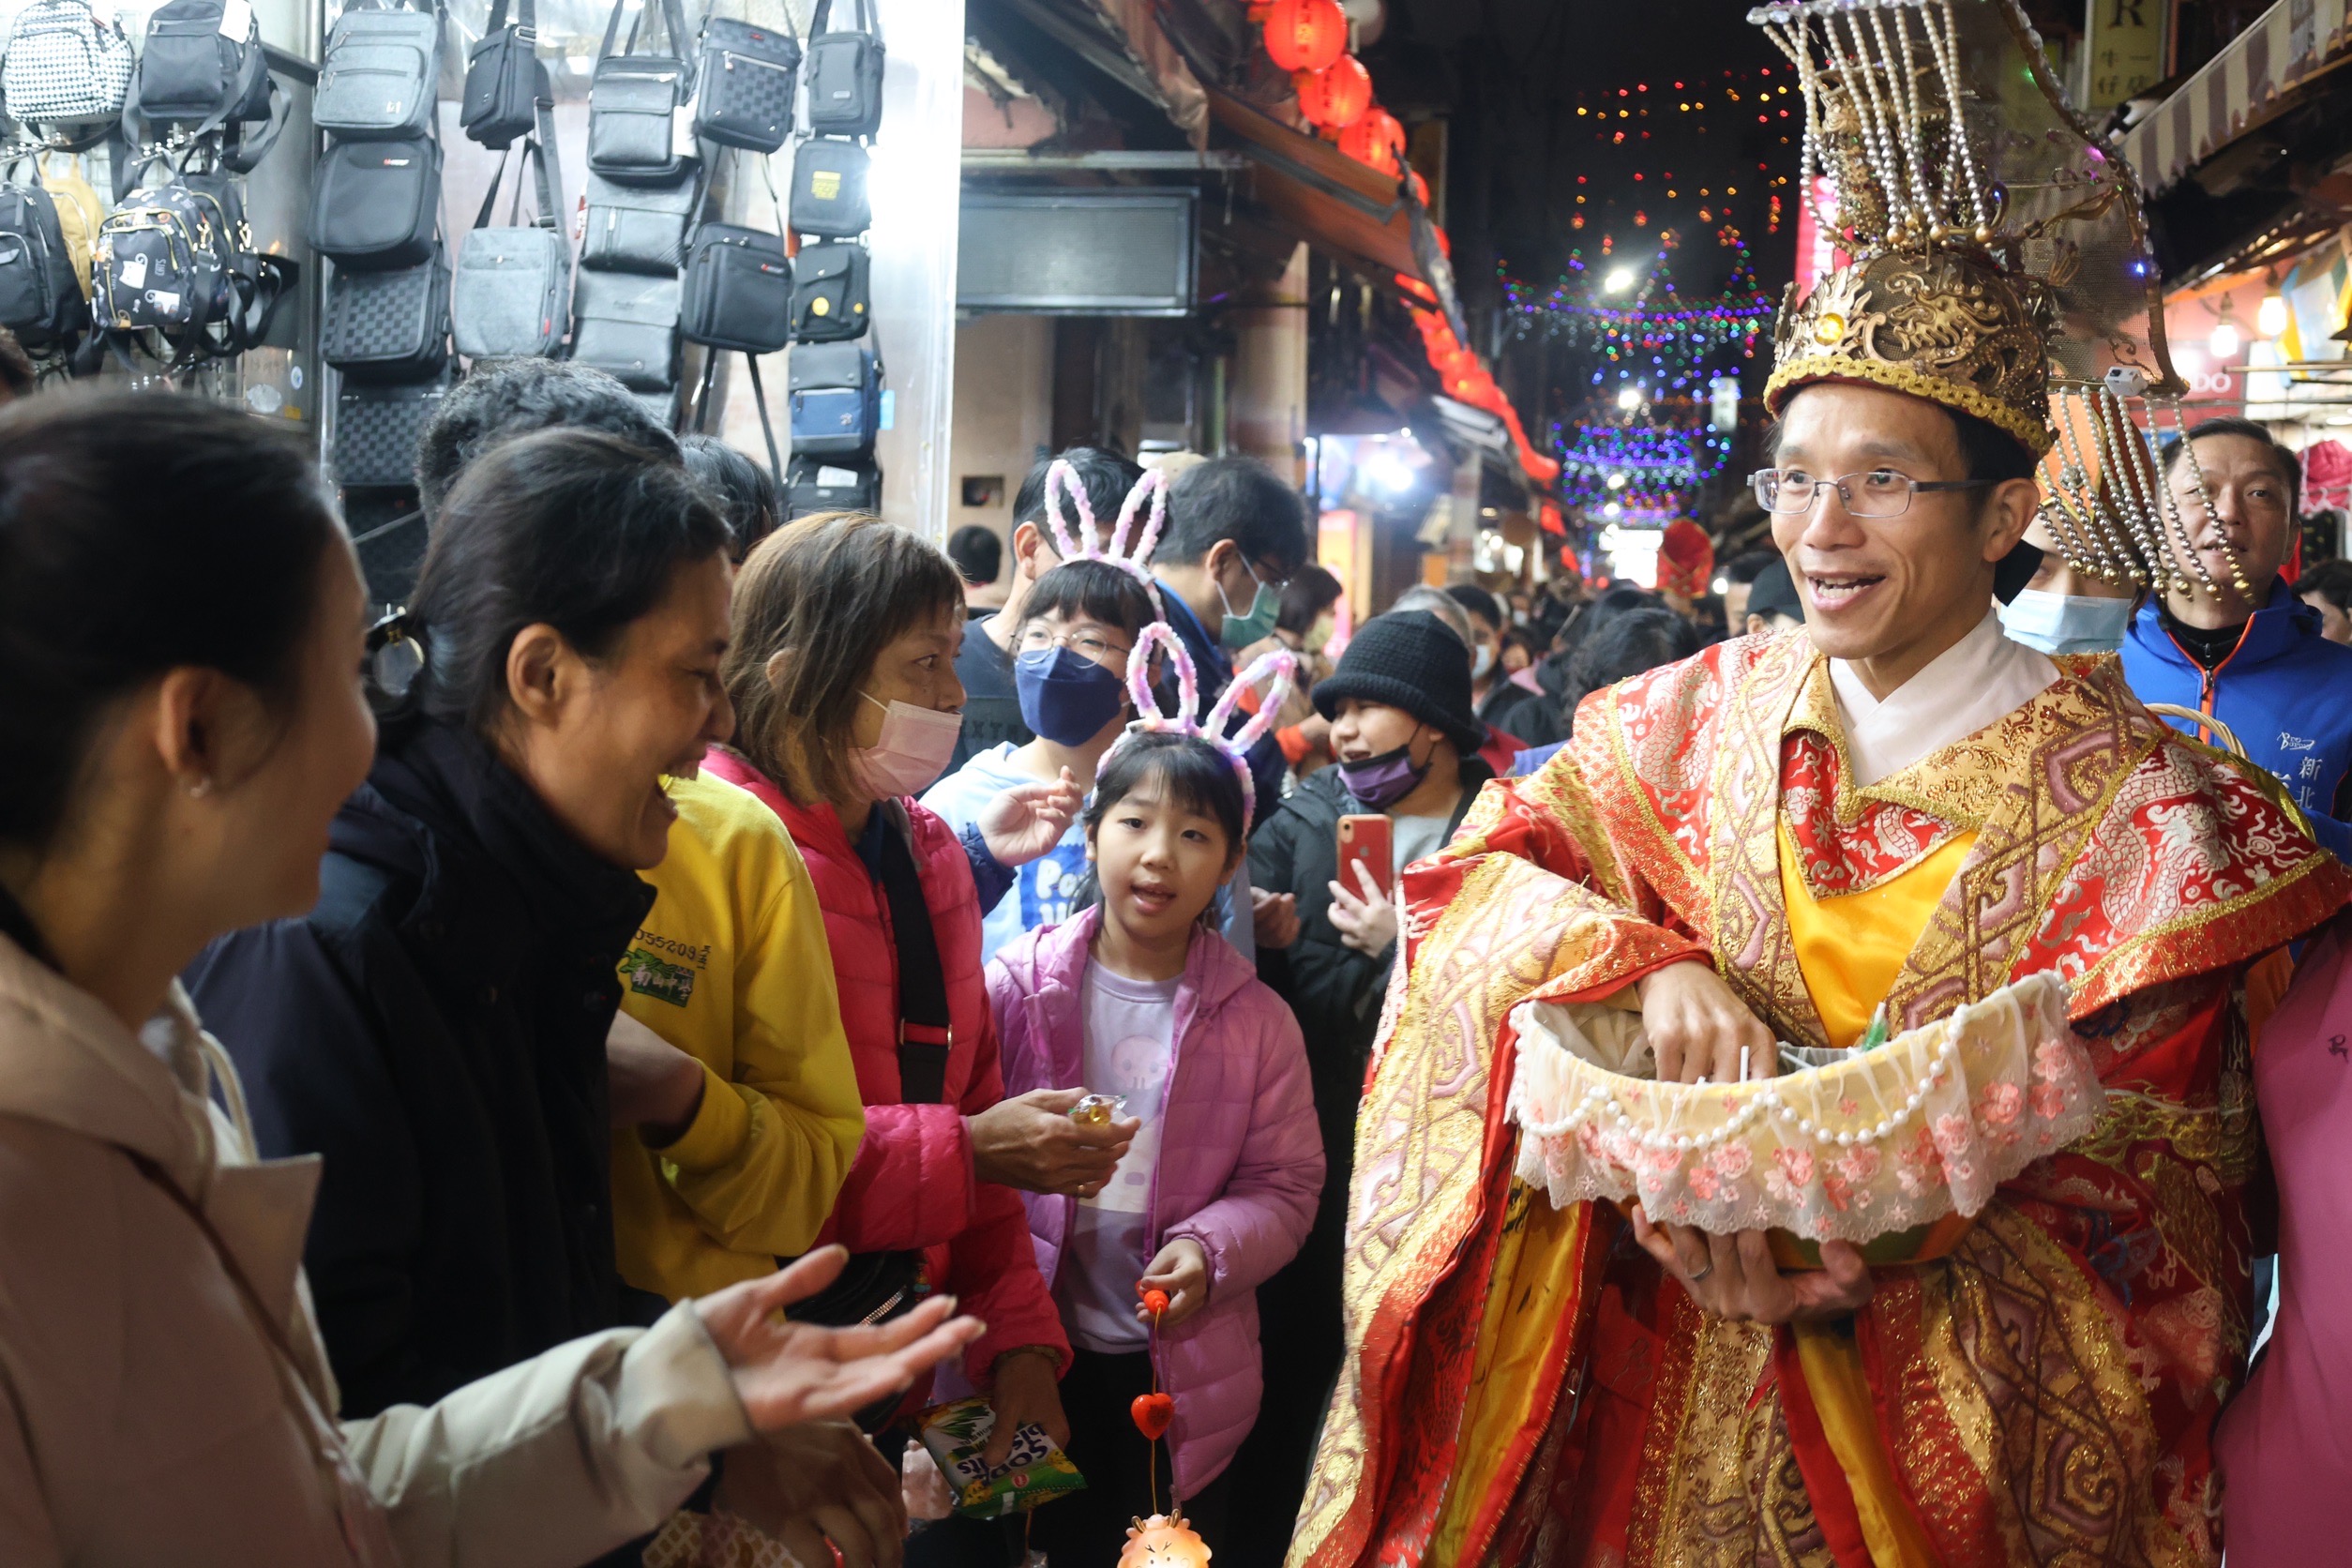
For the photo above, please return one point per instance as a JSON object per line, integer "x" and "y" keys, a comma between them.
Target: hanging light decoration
{"x": 1336, "y": 96}
{"x": 1377, "y": 140}
{"x": 1305, "y": 35}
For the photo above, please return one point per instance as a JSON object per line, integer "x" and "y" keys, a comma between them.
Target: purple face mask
{"x": 1381, "y": 781}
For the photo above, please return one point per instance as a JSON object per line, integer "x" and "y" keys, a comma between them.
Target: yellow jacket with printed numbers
{"x": 732, "y": 967}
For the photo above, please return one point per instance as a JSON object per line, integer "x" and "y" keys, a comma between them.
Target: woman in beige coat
{"x": 181, "y": 627}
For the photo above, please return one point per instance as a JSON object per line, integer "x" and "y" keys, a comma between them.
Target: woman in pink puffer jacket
{"x": 1212, "y": 1065}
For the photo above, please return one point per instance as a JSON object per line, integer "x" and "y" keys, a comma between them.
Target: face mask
{"x": 1481, "y": 662}
{"x": 1518, "y": 617}
{"x": 1065, "y": 697}
{"x": 1265, "y": 608}
{"x": 1381, "y": 781}
{"x": 917, "y": 746}
{"x": 1318, "y": 636}
{"x": 2064, "y": 623}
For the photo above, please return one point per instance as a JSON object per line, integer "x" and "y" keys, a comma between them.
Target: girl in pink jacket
{"x": 1137, "y": 998}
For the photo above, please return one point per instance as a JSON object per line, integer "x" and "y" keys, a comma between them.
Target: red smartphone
{"x": 1364, "y": 840}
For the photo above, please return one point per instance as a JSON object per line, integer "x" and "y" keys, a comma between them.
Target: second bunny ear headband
{"x": 1274, "y": 670}
{"x": 1063, "y": 487}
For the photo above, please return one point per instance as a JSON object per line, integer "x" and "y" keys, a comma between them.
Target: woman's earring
{"x": 199, "y": 788}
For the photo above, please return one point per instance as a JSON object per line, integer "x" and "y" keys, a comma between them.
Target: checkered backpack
{"x": 64, "y": 67}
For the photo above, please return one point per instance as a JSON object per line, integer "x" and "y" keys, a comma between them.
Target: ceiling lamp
{"x": 1336, "y": 96}
{"x": 1305, "y": 35}
{"x": 2271, "y": 315}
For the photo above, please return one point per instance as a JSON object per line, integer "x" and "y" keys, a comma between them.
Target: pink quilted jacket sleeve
{"x": 1261, "y": 1220}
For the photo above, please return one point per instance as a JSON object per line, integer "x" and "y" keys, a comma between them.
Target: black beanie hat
{"x": 1409, "y": 659}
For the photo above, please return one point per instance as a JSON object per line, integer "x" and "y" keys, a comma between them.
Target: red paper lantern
{"x": 1336, "y": 96}
{"x": 1305, "y": 35}
{"x": 1377, "y": 140}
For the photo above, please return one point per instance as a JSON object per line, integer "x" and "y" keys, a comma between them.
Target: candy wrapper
{"x": 1037, "y": 1471}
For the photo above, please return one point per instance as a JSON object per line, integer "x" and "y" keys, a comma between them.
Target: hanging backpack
{"x": 40, "y": 296}
{"x": 378, "y": 428}
{"x": 626, "y": 325}
{"x": 633, "y": 104}
{"x": 512, "y": 292}
{"x": 388, "y": 325}
{"x": 831, "y": 292}
{"x": 745, "y": 85}
{"x": 377, "y": 205}
{"x": 830, "y": 485}
{"x": 505, "y": 80}
{"x": 64, "y": 67}
{"x": 379, "y": 75}
{"x": 193, "y": 76}
{"x": 79, "y": 213}
{"x": 637, "y": 228}
{"x": 829, "y": 190}
{"x": 837, "y": 400}
{"x": 844, "y": 72}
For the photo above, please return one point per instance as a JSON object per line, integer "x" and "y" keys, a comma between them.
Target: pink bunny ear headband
{"x": 1274, "y": 669}
{"x": 1063, "y": 485}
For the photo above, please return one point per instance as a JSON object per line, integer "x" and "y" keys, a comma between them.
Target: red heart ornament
{"x": 1155, "y": 1302}
{"x": 1152, "y": 1412}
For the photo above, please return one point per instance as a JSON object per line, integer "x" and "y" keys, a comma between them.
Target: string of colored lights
{"x": 1636, "y": 468}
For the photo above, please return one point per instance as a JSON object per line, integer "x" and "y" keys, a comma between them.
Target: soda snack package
{"x": 1036, "y": 1472}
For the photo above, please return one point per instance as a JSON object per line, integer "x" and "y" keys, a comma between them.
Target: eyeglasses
{"x": 1085, "y": 644}
{"x": 1881, "y": 493}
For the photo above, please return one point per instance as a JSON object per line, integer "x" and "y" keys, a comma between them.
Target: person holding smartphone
{"x": 1404, "y": 738}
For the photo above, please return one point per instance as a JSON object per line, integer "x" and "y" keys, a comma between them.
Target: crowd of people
{"x": 439, "y": 1047}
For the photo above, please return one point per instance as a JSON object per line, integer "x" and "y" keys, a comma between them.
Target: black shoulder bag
{"x": 875, "y": 1287}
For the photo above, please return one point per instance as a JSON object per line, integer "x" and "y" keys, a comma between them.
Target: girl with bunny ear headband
{"x": 1275, "y": 670}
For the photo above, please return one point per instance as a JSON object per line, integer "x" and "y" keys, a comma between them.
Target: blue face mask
{"x": 2064, "y": 623}
{"x": 1266, "y": 609}
{"x": 1064, "y": 698}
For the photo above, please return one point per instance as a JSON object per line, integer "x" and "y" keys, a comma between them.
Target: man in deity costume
{"x": 1892, "y": 807}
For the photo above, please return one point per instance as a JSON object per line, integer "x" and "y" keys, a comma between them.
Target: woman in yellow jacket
{"x": 761, "y": 1111}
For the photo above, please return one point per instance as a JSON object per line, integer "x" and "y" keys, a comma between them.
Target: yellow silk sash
{"x": 1850, "y": 948}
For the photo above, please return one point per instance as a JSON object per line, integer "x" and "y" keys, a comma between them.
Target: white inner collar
{"x": 1968, "y": 686}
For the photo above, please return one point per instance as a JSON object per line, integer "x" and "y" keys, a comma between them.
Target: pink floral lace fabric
{"x": 1845, "y": 1146}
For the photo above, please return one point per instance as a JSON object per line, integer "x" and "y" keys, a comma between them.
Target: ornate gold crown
{"x": 1935, "y": 321}
{"x": 2002, "y": 265}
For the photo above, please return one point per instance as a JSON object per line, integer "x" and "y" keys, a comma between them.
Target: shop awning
{"x": 2238, "y": 89}
{"x": 1337, "y": 205}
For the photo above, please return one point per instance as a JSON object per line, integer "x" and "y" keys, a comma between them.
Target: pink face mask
{"x": 914, "y": 748}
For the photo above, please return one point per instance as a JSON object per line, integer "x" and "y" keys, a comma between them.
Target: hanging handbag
{"x": 193, "y": 76}
{"x": 380, "y": 74}
{"x": 79, "y": 213}
{"x": 388, "y": 325}
{"x": 626, "y": 325}
{"x": 637, "y": 228}
{"x": 829, "y": 190}
{"x": 377, "y": 205}
{"x": 831, "y": 290}
{"x": 633, "y": 105}
{"x": 378, "y": 428}
{"x": 738, "y": 287}
{"x": 504, "y": 81}
{"x": 814, "y": 485}
{"x": 511, "y": 294}
{"x": 64, "y": 67}
{"x": 835, "y": 399}
{"x": 745, "y": 85}
{"x": 844, "y": 72}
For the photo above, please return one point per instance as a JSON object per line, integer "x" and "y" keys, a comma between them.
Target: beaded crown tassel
{"x": 1999, "y": 265}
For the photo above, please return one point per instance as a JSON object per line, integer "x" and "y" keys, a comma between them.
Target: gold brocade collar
{"x": 1957, "y": 784}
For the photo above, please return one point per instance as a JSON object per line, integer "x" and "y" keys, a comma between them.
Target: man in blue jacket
{"x": 2260, "y": 666}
